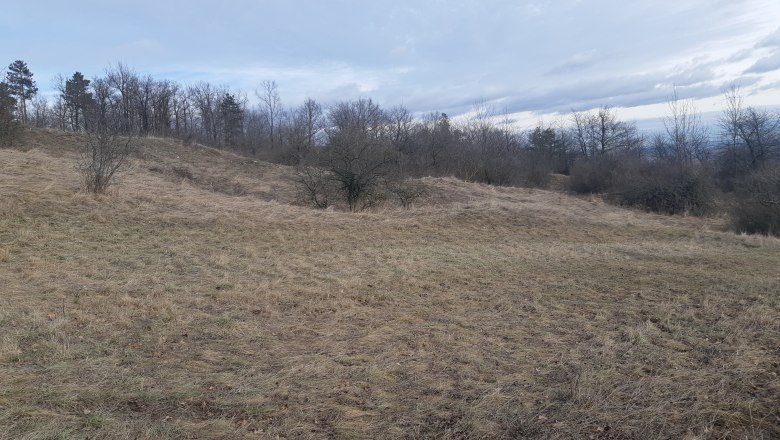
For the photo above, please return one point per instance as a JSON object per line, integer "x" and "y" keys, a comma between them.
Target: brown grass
{"x": 175, "y": 308}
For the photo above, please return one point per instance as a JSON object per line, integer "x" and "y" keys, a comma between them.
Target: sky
{"x": 534, "y": 60}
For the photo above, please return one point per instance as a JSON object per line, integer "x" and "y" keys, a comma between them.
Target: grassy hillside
{"x": 211, "y": 307}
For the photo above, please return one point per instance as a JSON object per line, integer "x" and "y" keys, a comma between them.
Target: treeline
{"x": 351, "y": 152}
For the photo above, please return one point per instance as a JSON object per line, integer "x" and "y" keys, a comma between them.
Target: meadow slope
{"x": 195, "y": 300}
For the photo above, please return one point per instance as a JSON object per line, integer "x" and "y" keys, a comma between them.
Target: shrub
{"x": 661, "y": 187}
{"x": 498, "y": 169}
{"x": 407, "y": 192}
{"x": 104, "y": 153}
{"x": 593, "y": 175}
{"x": 502, "y": 168}
{"x": 757, "y": 206}
{"x": 664, "y": 188}
{"x": 536, "y": 170}
{"x": 314, "y": 187}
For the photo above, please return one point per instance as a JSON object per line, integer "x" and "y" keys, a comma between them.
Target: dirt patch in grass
{"x": 166, "y": 309}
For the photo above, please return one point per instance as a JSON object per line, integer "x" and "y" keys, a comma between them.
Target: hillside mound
{"x": 196, "y": 300}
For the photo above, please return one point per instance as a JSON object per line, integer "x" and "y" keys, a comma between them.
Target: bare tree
{"x": 402, "y": 126}
{"x": 685, "y": 139}
{"x": 510, "y": 139}
{"x": 59, "y": 114}
{"x": 603, "y": 133}
{"x": 358, "y": 156}
{"x": 41, "y": 112}
{"x": 106, "y": 149}
{"x": 125, "y": 82}
{"x": 480, "y": 130}
{"x": 272, "y": 108}
{"x": 181, "y": 111}
{"x": 486, "y": 150}
{"x": 759, "y": 130}
{"x": 205, "y": 100}
{"x": 437, "y": 134}
{"x": 750, "y": 136}
{"x": 731, "y": 116}
{"x": 307, "y": 121}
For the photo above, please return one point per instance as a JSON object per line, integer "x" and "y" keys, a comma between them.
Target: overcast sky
{"x": 528, "y": 58}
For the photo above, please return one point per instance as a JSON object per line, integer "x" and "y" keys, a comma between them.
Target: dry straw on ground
{"x": 200, "y": 303}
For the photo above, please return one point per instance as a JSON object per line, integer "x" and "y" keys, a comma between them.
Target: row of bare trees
{"x": 350, "y": 150}
{"x": 479, "y": 147}
{"x": 483, "y": 147}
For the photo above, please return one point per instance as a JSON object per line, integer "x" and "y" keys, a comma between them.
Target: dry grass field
{"x": 195, "y": 300}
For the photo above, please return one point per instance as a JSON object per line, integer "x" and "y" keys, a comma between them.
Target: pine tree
{"x": 8, "y": 125}
{"x": 77, "y": 99}
{"x": 232, "y": 118}
{"x": 22, "y": 86}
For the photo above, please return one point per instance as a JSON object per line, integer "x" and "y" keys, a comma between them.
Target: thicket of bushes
{"x": 669, "y": 188}
{"x": 656, "y": 186}
{"x": 686, "y": 171}
{"x": 756, "y": 208}
{"x": 593, "y": 175}
{"x": 666, "y": 189}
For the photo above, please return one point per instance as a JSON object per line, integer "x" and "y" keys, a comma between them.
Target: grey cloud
{"x": 616, "y": 91}
{"x": 575, "y": 63}
{"x": 769, "y": 86}
{"x": 766, "y": 64}
{"x": 740, "y": 55}
{"x": 691, "y": 76}
{"x": 771, "y": 40}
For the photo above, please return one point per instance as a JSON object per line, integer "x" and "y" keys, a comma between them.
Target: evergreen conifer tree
{"x": 20, "y": 81}
{"x": 8, "y": 125}
{"x": 77, "y": 99}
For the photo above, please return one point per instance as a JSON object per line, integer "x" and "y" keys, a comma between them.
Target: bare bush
{"x": 593, "y": 175}
{"x": 664, "y": 188}
{"x": 534, "y": 169}
{"x": 757, "y": 206}
{"x": 314, "y": 187}
{"x": 657, "y": 186}
{"x": 407, "y": 192}
{"x": 103, "y": 155}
